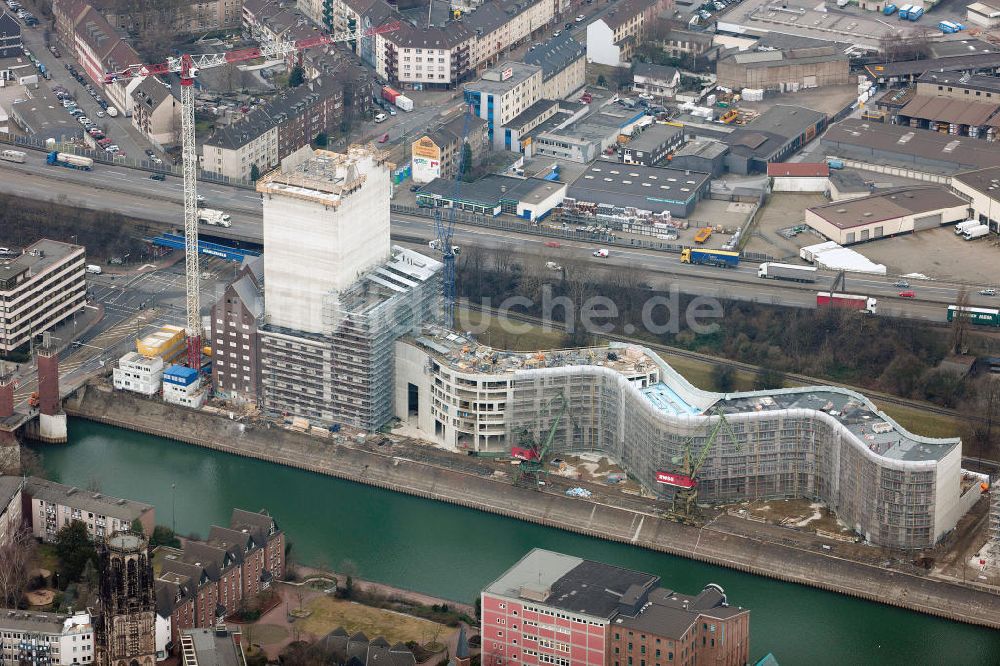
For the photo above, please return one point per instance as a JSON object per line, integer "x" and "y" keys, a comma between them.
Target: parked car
{"x": 580, "y": 17}
{"x": 383, "y": 138}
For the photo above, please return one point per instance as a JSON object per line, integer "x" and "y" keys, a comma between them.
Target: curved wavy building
{"x": 892, "y": 487}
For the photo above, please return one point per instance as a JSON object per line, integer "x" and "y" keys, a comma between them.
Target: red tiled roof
{"x": 799, "y": 169}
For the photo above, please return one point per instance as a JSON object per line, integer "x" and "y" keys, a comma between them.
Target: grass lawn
{"x": 45, "y": 557}
{"x": 920, "y": 422}
{"x": 328, "y": 614}
{"x": 495, "y": 336}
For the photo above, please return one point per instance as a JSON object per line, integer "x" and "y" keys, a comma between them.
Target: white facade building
{"x": 138, "y": 373}
{"x": 30, "y": 638}
{"x": 326, "y": 222}
{"x": 40, "y": 289}
{"x": 982, "y": 188}
{"x": 182, "y": 386}
{"x": 54, "y": 506}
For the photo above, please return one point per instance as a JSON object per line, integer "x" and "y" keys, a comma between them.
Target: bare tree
{"x": 15, "y": 557}
{"x": 960, "y": 322}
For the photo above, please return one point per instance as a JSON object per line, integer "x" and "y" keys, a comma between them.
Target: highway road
{"x": 131, "y": 192}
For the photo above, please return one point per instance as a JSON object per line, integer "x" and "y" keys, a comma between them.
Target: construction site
{"x": 681, "y": 444}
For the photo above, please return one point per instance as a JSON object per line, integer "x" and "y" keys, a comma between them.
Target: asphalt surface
{"x": 131, "y": 192}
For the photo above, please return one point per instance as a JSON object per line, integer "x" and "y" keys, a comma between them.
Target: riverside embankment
{"x": 424, "y": 472}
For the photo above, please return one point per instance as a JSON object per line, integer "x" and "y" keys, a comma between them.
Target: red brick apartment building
{"x": 558, "y": 609}
{"x": 206, "y": 580}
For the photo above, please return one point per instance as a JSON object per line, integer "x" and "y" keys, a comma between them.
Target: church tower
{"x": 126, "y": 626}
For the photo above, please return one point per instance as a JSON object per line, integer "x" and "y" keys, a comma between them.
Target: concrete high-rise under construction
{"x": 337, "y": 294}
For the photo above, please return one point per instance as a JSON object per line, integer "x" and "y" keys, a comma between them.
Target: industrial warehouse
{"x": 892, "y": 487}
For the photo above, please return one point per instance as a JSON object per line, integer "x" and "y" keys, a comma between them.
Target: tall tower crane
{"x": 187, "y": 67}
{"x": 445, "y": 229}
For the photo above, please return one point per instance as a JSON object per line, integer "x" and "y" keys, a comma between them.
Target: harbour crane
{"x": 187, "y": 67}
{"x": 687, "y": 486}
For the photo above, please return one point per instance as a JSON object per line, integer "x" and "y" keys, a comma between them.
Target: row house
{"x": 202, "y": 583}
{"x": 500, "y": 25}
{"x": 96, "y": 45}
{"x": 613, "y": 39}
{"x": 49, "y": 506}
{"x": 183, "y": 17}
{"x": 274, "y": 131}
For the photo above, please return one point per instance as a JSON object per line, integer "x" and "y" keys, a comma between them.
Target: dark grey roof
{"x": 706, "y": 148}
{"x": 409, "y": 36}
{"x": 9, "y": 486}
{"x": 905, "y": 145}
{"x": 556, "y": 54}
{"x": 653, "y": 137}
{"x": 462, "y": 646}
{"x": 98, "y": 503}
{"x": 532, "y": 112}
{"x": 9, "y": 25}
{"x": 848, "y": 181}
{"x": 785, "y": 120}
{"x": 984, "y": 181}
{"x": 289, "y": 105}
{"x": 958, "y": 80}
{"x": 659, "y": 72}
{"x": 152, "y": 92}
{"x": 257, "y": 523}
{"x": 951, "y": 63}
{"x": 635, "y": 185}
{"x": 595, "y": 588}
{"x": 492, "y": 189}
{"x": 669, "y": 614}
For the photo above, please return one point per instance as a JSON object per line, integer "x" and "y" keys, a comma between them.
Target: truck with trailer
{"x": 867, "y": 304}
{"x": 978, "y": 231}
{"x": 776, "y": 271}
{"x": 214, "y": 218}
{"x": 961, "y": 227}
{"x": 13, "y": 156}
{"x": 390, "y": 94}
{"x": 722, "y": 258}
{"x": 69, "y": 160}
{"x": 981, "y": 316}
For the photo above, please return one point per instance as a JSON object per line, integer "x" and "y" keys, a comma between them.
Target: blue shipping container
{"x": 180, "y": 375}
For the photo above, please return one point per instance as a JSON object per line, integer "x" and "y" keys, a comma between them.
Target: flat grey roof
{"x": 706, "y": 148}
{"x": 956, "y": 80}
{"x": 520, "y": 73}
{"x": 906, "y": 144}
{"x": 951, "y": 63}
{"x": 532, "y": 112}
{"x": 643, "y": 187}
{"x": 984, "y": 181}
{"x": 9, "y": 485}
{"x": 887, "y": 205}
{"x": 785, "y": 120}
{"x": 653, "y": 137}
{"x": 33, "y": 621}
{"x": 848, "y": 181}
{"x": 214, "y": 648}
{"x": 85, "y": 500}
{"x": 45, "y": 117}
{"x": 48, "y": 252}
{"x": 881, "y": 436}
{"x": 569, "y": 583}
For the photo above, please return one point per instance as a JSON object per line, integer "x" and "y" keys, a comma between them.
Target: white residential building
{"x": 503, "y": 93}
{"x": 138, "y": 373}
{"x": 613, "y": 38}
{"x": 31, "y": 638}
{"x": 40, "y": 289}
{"x": 54, "y": 506}
{"x": 182, "y": 386}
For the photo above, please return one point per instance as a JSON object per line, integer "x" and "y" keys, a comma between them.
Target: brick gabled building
{"x": 204, "y": 581}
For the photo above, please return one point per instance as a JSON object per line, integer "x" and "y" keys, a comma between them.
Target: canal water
{"x": 452, "y": 552}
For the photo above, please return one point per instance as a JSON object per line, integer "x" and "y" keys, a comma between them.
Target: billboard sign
{"x": 507, "y": 73}
{"x": 676, "y": 480}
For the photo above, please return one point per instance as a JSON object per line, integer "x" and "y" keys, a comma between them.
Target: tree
{"x": 297, "y": 76}
{"x": 723, "y": 377}
{"x": 322, "y": 140}
{"x": 601, "y": 81}
{"x": 137, "y": 527}
{"x": 15, "y": 556}
{"x": 768, "y": 379}
{"x": 466, "y": 167}
{"x": 254, "y": 173}
{"x": 164, "y": 536}
{"x": 73, "y": 550}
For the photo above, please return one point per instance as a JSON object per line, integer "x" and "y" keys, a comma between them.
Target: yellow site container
{"x": 167, "y": 343}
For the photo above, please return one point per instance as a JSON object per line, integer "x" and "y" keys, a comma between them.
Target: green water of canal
{"x": 452, "y": 552}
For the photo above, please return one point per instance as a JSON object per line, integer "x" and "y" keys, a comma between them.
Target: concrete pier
{"x": 424, "y": 472}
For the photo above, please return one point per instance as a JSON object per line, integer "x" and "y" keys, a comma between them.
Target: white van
{"x": 380, "y": 117}
{"x": 94, "y": 269}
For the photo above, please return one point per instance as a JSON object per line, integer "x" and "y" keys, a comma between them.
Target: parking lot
{"x": 782, "y": 211}
{"x": 939, "y": 254}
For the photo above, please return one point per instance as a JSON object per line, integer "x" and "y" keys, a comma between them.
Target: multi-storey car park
{"x": 892, "y": 487}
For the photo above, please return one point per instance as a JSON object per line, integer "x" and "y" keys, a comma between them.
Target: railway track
{"x": 738, "y": 365}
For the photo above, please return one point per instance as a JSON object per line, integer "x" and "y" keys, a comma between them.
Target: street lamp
{"x": 173, "y": 508}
